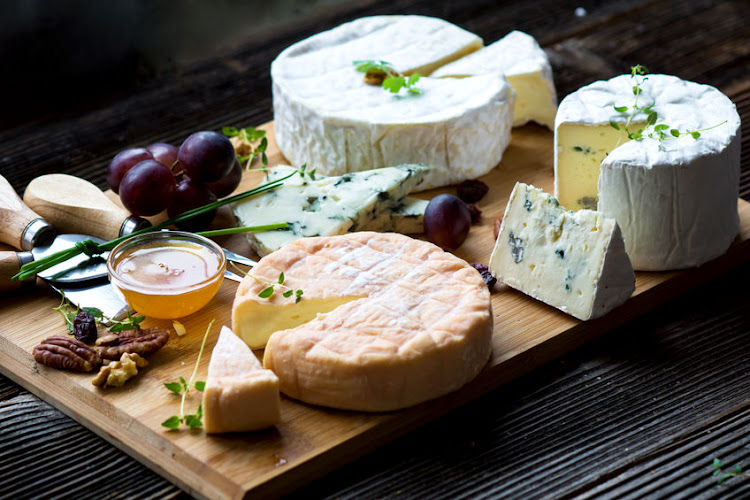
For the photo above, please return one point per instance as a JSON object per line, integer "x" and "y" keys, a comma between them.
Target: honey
{"x": 167, "y": 275}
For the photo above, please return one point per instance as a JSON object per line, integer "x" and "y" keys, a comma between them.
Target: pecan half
{"x": 141, "y": 341}
{"x": 66, "y": 353}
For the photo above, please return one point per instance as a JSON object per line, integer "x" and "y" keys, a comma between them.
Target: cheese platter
{"x": 310, "y": 440}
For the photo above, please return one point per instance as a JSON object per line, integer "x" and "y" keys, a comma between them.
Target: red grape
{"x": 206, "y": 156}
{"x": 122, "y": 162}
{"x": 227, "y": 184}
{"x": 446, "y": 221}
{"x": 164, "y": 153}
{"x": 147, "y": 188}
{"x": 190, "y": 195}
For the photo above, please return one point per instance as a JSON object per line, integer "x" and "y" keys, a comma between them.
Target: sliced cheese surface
{"x": 326, "y": 116}
{"x": 385, "y": 321}
{"x": 526, "y": 66}
{"x": 674, "y": 199}
{"x": 574, "y": 261}
{"x": 326, "y": 206}
{"x": 240, "y": 395}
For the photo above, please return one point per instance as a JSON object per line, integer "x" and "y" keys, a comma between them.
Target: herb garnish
{"x": 721, "y": 475}
{"x": 246, "y": 153}
{"x": 383, "y": 73}
{"x": 268, "y": 292}
{"x": 181, "y": 388}
{"x": 68, "y": 312}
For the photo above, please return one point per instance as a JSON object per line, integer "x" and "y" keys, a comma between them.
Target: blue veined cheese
{"x": 574, "y": 261}
{"x": 405, "y": 217}
{"x": 324, "y": 206}
{"x": 526, "y": 66}
{"x": 326, "y": 116}
{"x": 676, "y": 199}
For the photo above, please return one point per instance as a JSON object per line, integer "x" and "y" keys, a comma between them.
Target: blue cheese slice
{"x": 325, "y": 206}
{"x": 574, "y": 261}
{"x": 405, "y": 217}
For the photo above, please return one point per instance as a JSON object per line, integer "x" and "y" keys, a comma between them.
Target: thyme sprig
{"x": 246, "y": 153}
{"x": 383, "y": 73}
{"x": 182, "y": 388}
{"x": 270, "y": 289}
{"x": 721, "y": 475}
{"x": 69, "y": 313}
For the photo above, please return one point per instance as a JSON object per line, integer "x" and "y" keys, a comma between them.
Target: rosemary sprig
{"x": 383, "y": 73}
{"x": 192, "y": 420}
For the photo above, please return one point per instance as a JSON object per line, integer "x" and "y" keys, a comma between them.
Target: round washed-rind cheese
{"x": 675, "y": 200}
{"x": 327, "y": 117}
{"x": 412, "y": 322}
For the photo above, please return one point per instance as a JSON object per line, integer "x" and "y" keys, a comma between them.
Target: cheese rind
{"x": 675, "y": 200}
{"x": 574, "y": 261}
{"x": 415, "y": 322}
{"x": 526, "y": 66}
{"x": 327, "y": 117}
{"x": 240, "y": 395}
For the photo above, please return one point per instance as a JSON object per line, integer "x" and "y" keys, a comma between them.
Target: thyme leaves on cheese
{"x": 182, "y": 388}
{"x": 721, "y": 475}
{"x": 270, "y": 289}
{"x": 243, "y": 144}
{"x": 384, "y": 74}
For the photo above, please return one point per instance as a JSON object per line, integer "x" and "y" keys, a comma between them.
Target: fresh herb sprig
{"x": 268, "y": 292}
{"x": 721, "y": 475}
{"x": 246, "y": 153}
{"x": 69, "y": 313}
{"x": 383, "y": 73}
{"x": 182, "y": 388}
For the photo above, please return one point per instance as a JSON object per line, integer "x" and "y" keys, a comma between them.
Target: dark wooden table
{"x": 642, "y": 412}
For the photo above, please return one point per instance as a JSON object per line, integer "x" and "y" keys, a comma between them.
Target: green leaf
{"x": 229, "y": 131}
{"x": 288, "y": 293}
{"x": 415, "y": 90}
{"x": 97, "y": 313}
{"x": 716, "y": 463}
{"x": 298, "y": 293}
{"x": 172, "y": 422}
{"x": 281, "y": 278}
{"x": 661, "y": 126}
{"x": 675, "y": 132}
{"x": 266, "y": 293}
{"x": 651, "y": 119}
{"x": 200, "y": 385}
{"x": 614, "y": 125}
{"x": 184, "y": 383}
{"x": 414, "y": 78}
{"x": 620, "y": 109}
{"x": 200, "y": 410}
{"x": 394, "y": 83}
{"x": 737, "y": 469}
{"x": 193, "y": 421}
{"x": 695, "y": 135}
{"x": 637, "y": 90}
{"x": 174, "y": 387}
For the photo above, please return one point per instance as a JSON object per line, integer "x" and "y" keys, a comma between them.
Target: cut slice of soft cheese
{"x": 574, "y": 261}
{"x": 385, "y": 321}
{"x": 324, "y": 206}
{"x": 240, "y": 395}
{"x": 327, "y": 117}
{"x": 526, "y": 66}
{"x": 405, "y": 217}
{"x": 675, "y": 200}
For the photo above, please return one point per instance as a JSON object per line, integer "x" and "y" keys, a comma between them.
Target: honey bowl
{"x": 167, "y": 274}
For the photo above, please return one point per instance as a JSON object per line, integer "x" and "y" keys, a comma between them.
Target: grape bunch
{"x": 161, "y": 176}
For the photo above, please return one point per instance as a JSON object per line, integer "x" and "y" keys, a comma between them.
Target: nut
{"x": 141, "y": 341}
{"x": 241, "y": 146}
{"x": 117, "y": 373}
{"x": 66, "y": 353}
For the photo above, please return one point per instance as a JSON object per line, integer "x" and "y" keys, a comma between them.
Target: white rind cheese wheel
{"x": 675, "y": 200}
{"x": 526, "y": 66}
{"x": 327, "y": 117}
{"x": 385, "y": 321}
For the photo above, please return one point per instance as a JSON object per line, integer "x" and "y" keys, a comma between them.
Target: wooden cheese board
{"x": 312, "y": 441}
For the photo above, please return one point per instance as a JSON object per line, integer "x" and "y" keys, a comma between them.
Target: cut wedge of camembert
{"x": 574, "y": 261}
{"x": 385, "y": 321}
{"x": 326, "y": 116}
{"x": 240, "y": 395}
{"x": 526, "y": 66}
{"x": 675, "y": 199}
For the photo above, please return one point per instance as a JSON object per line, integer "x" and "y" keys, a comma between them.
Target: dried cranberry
{"x": 84, "y": 327}
{"x": 471, "y": 191}
{"x": 475, "y": 213}
{"x": 484, "y": 271}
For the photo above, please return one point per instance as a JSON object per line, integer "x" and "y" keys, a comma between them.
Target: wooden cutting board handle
{"x": 17, "y": 220}
{"x": 74, "y": 205}
{"x": 10, "y": 263}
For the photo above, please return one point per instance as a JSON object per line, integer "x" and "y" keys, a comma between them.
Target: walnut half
{"x": 140, "y": 341}
{"x": 66, "y": 353}
{"x": 117, "y": 373}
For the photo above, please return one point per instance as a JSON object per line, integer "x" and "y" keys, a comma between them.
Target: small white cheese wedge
{"x": 674, "y": 199}
{"x": 526, "y": 66}
{"x": 324, "y": 206}
{"x": 240, "y": 395}
{"x": 385, "y": 321}
{"x": 574, "y": 261}
{"x": 326, "y": 116}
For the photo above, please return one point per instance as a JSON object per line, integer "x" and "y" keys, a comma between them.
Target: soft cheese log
{"x": 385, "y": 322}
{"x": 526, "y": 66}
{"x": 574, "y": 261}
{"x": 240, "y": 395}
{"x": 675, "y": 200}
{"x": 327, "y": 117}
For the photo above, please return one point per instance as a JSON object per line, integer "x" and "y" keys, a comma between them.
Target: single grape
{"x": 227, "y": 184}
{"x": 446, "y": 221}
{"x": 189, "y": 195}
{"x": 206, "y": 156}
{"x": 164, "y": 153}
{"x": 147, "y": 188}
{"x": 122, "y": 162}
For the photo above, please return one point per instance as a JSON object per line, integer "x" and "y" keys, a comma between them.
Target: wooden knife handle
{"x": 74, "y": 205}
{"x": 10, "y": 263}
{"x": 15, "y": 216}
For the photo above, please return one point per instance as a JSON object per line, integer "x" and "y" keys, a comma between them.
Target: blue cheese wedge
{"x": 574, "y": 261}
{"x": 325, "y": 206}
{"x": 405, "y": 217}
